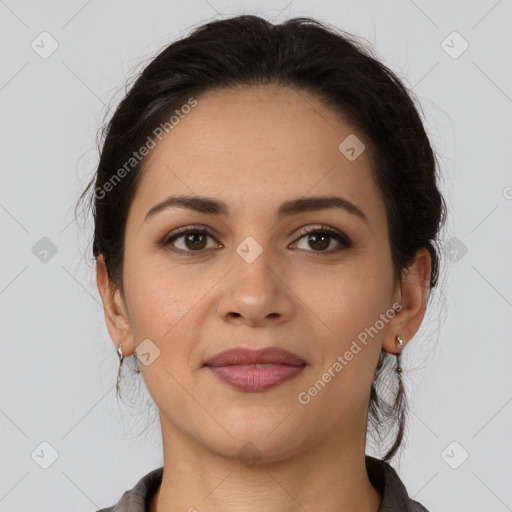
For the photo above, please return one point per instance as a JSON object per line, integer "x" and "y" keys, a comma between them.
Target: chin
{"x": 261, "y": 440}
{"x": 252, "y": 450}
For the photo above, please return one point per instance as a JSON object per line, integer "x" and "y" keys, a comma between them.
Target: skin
{"x": 254, "y": 149}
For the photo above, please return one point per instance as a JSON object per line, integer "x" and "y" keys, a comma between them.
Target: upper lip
{"x": 242, "y": 356}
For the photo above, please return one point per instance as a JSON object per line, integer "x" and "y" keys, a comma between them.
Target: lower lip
{"x": 252, "y": 379}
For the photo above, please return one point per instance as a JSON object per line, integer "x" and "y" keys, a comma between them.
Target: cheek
{"x": 350, "y": 303}
{"x": 153, "y": 305}
{"x": 167, "y": 306}
{"x": 352, "y": 296}
{"x": 161, "y": 310}
{"x": 156, "y": 302}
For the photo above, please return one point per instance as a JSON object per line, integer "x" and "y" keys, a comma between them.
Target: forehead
{"x": 261, "y": 122}
{"x": 261, "y": 141}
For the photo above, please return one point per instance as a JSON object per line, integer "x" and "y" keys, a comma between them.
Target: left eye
{"x": 195, "y": 240}
{"x": 320, "y": 239}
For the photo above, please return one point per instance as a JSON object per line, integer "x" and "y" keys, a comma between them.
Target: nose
{"x": 256, "y": 292}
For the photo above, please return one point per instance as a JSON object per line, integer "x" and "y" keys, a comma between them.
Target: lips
{"x": 255, "y": 370}
{"x": 246, "y": 356}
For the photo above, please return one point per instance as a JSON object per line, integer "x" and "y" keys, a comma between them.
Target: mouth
{"x": 255, "y": 370}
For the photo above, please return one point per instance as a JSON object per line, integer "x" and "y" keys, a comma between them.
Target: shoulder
{"x": 137, "y": 498}
{"x": 392, "y": 490}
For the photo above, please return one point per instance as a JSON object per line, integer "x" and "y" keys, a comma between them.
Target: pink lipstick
{"x": 255, "y": 370}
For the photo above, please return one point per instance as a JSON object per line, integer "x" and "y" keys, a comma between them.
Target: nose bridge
{"x": 254, "y": 289}
{"x": 253, "y": 262}
{"x": 255, "y": 229}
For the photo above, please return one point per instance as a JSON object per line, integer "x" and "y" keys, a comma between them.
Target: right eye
{"x": 194, "y": 239}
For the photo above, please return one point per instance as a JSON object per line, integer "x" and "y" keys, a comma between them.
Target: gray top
{"x": 382, "y": 476}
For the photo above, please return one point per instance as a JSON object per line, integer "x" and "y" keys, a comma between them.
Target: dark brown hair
{"x": 309, "y": 56}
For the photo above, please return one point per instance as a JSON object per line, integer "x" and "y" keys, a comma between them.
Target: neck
{"x": 330, "y": 475}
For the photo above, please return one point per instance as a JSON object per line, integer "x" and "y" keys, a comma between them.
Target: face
{"x": 249, "y": 274}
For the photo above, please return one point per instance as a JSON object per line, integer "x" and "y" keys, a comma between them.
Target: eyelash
{"x": 181, "y": 232}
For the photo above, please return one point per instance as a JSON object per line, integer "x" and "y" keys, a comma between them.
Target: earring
{"x": 400, "y": 342}
{"x": 121, "y": 357}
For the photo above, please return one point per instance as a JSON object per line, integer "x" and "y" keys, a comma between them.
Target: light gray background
{"x": 58, "y": 363}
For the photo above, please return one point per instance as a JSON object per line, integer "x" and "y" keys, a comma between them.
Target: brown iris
{"x": 193, "y": 238}
{"x": 320, "y": 245}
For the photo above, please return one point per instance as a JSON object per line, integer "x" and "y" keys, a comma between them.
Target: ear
{"x": 116, "y": 314}
{"x": 411, "y": 293}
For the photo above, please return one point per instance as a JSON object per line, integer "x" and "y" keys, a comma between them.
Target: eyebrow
{"x": 212, "y": 206}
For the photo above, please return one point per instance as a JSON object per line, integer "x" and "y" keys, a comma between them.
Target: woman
{"x": 266, "y": 232}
